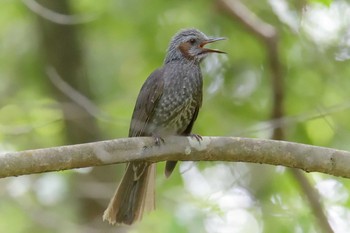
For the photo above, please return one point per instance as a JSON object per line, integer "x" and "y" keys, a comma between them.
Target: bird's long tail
{"x": 135, "y": 194}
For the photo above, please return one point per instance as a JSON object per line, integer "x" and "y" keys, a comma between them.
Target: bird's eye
{"x": 192, "y": 41}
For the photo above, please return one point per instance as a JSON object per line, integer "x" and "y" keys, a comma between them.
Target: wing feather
{"x": 146, "y": 102}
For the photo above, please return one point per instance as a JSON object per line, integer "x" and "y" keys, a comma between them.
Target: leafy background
{"x": 117, "y": 45}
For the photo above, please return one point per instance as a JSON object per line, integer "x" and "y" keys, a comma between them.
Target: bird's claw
{"x": 158, "y": 140}
{"x": 197, "y": 137}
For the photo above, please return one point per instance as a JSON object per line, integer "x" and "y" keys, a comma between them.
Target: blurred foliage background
{"x": 70, "y": 73}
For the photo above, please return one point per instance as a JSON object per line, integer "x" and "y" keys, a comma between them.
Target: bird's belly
{"x": 173, "y": 117}
{"x": 180, "y": 121}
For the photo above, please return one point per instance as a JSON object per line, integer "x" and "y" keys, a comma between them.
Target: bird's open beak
{"x": 211, "y": 40}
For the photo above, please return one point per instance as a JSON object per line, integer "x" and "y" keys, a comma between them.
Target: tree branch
{"x": 306, "y": 157}
{"x": 252, "y": 23}
{"x": 269, "y": 35}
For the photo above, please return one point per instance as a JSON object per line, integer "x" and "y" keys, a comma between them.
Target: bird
{"x": 168, "y": 104}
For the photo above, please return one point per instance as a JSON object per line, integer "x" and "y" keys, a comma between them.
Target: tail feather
{"x": 169, "y": 168}
{"x": 135, "y": 194}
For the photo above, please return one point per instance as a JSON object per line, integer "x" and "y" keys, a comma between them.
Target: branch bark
{"x": 234, "y": 149}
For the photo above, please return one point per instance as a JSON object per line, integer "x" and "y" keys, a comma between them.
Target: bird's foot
{"x": 158, "y": 140}
{"x": 197, "y": 137}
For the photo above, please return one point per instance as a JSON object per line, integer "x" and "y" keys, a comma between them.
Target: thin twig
{"x": 314, "y": 199}
{"x": 57, "y": 17}
{"x": 76, "y": 96}
{"x": 291, "y": 120}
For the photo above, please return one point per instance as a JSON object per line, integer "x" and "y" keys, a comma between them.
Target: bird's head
{"x": 189, "y": 44}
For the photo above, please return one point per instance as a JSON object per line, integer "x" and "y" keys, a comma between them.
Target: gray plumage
{"x": 168, "y": 104}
